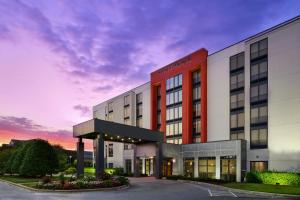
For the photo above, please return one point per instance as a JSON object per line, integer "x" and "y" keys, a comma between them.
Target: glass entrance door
{"x": 228, "y": 168}
{"x": 167, "y": 167}
{"x": 189, "y": 167}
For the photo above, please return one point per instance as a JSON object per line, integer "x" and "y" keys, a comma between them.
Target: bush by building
{"x": 273, "y": 178}
{"x": 40, "y": 159}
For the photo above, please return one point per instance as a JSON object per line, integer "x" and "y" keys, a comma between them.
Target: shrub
{"x": 62, "y": 178}
{"x": 67, "y": 186}
{"x": 88, "y": 178}
{"x": 105, "y": 176}
{"x": 273, "y": 178}
{"x": 252, "y": 177}
{"x": 107, "y": 183}
{"x": 70, "y": 170}
{"x": 115, "y": 171}
{"x": 123, "y": 180}
{"x": 46, "y": 179}
{"x": 40, "y": 159}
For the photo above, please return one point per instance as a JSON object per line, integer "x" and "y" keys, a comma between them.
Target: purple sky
{"x": 59, "y": 58}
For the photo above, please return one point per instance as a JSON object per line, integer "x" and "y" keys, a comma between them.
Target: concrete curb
{"x": 267, "y": 194}
{"x": 123, "y": 187}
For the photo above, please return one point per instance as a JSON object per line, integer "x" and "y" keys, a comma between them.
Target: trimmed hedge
{"x": 199, "y": 179}
{"x": 273, "y": 178}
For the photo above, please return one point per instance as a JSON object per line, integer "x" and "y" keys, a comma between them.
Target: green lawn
{"x": 278, "y": 189}
{"x": 89, "y": 171}
{"x": 30, "y": 182}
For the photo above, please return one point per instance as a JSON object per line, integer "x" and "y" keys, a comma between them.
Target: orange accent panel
{"x": 184, "y": 66}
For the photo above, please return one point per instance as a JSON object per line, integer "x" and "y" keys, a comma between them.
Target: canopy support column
{"x": 99, "y": 155}
{"x": 80, "y": 157}
{"x": 159, "y": 160}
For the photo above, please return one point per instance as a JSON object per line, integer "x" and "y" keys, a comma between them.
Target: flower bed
{"x": 81, "y": 183}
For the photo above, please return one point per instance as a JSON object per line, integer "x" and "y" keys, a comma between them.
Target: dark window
{"x": 139, "y": 98}
{"x": 196, "y": 109}
{"x": 139, "y": 122}
{"x": 110, "y": 107}
{"x": 174, "y": 82}
{"x": 259, "y": 49}
{"x": 259, "y": 92}
{"x": 237, "y": 120}
{"x": 126, "y": 112}
{"x": 259, "y": 166}
{"x": 237, "y": 81}
{"x": 237, "y": 135}
{"x": 127, "y": 146}
{"x": 196, "y": 77}
{"x": 110, "y": 165}
{"x": 259, "y": 70}
{"x": 126, "y": 100}
{"x": 237, "y": 61}
{"x": 110, "y": 150}
{"x": 139, "y": 110}
{"x": 259, "y": 138}
{"x": 196, "y": 127}
{"x": 237, "y": 100}
{"x": 128, "y": 166}
{"x": 259, "y": 114}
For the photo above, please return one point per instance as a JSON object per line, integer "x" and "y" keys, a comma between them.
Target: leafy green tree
{"x": 5, "y": 155}
{"x": 19, "y": 156}
{"x": 62, "y": 157}
{"x": 40, "y": 159}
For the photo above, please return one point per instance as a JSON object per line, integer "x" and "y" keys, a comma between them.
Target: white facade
{"x": 100, "y": 111}
{"x": 283, "y": 151}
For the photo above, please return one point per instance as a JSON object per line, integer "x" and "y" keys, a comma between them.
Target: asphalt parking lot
{"x": 141, "y": 189}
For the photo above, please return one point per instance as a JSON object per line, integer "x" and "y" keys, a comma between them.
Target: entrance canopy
{"x": 115, "y": 132}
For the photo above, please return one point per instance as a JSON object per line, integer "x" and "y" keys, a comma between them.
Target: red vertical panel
{"x": 153, "y": 108}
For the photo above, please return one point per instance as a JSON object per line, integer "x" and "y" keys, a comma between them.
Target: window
{"x": 127, "y": 146}
{"x": 196, "y": 93}
{"x": 139, "y": 122}
{"x": 196, "y": 126}
{"x": 259, "y": 114}
{"x": 207, "y": 167}
{"x": 259, "y": 138}
{"x": 237, "y": 135}
{"x": 110, "y": 107}
{"x": 110, "y": 165}
{"x": 237, "y": 61}
{"x": 126, "y": 112}
{"x": 196, "y": 77}
{"x": 126, "y": 100}
{"x": 174, "y": 82}
{"x": 139, "y": 110}
{"x": 127, "y": 121}
{"x": 259, "y": 49}
{"x": 196, "y": 109}
{"x": 128, "y": 166}
{"x": 259, "y": 70}
{"x": 237, "y": 120}
{"x": 110, "y": 150}
{"x": 259, "y": 92}
{"x": 237, "y": 81}
{"x": 228, "y": 168}
{"x": 237, "y": 100}
{"x": 139, "y": 98}
{"x": 259, "y": 166}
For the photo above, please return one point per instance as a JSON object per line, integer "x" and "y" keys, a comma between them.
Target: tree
{"x": 62, "y": 157}
{"x": 5, "y": 155}
{"x": 40, "y": 159}
{"x": 19, "y": 156}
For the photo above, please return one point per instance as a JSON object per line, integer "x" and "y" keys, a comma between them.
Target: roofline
{"x": 131, "y": 90}
{"x": 247, "y": 39}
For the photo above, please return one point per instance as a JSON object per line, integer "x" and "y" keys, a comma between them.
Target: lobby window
{"x": 174, "y": 109}
{"x": 207, "y": 167}
{"x": 259, "y": 166}
{"x": 259, "y": 49}
{"x": 237, "y": 96}
{"x": 110, "y": 150}
{"x": 259, "y": 94}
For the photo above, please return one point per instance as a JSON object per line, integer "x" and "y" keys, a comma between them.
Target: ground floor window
{"x": 189, "y": 167}
{"x": 167, "y": 167}
{"x": 228, "y": 168}
{"x": 207, "y": 167}
{"x": 110, "y": 165}
{"x": 259, "y": 166}
{"x": 128, "y": 166}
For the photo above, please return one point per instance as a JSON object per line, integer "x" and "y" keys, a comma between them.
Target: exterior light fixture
{"x": 122, "y": 139}
{"x": 105, "y": 134}
{"x": 118, "y": 136}
{"x": 174, "y": 160}
{"x": 132, "y": 140}
{"x": 111, "y": 138}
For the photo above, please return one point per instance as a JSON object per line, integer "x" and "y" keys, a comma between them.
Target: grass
{"x": 29, "y": 182}
{"x": 278, "y": 189}
{"x": 89, "y": 170}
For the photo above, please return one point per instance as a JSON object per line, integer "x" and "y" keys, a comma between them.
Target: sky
{"x": 59, "y": 58}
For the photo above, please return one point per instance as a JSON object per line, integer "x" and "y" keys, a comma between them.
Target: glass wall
{"x": 228, "y": 168}
{"x": 174, "y": 109}
{"x": 207, "y": 167}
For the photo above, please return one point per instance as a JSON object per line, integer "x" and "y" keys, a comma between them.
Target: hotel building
{"x": 222, "y": 114}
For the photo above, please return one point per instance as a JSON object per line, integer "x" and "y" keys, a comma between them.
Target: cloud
{"x": 103, "y": 88}
{"x": 84, "y": 110}
{"x": 23, "y": 128}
